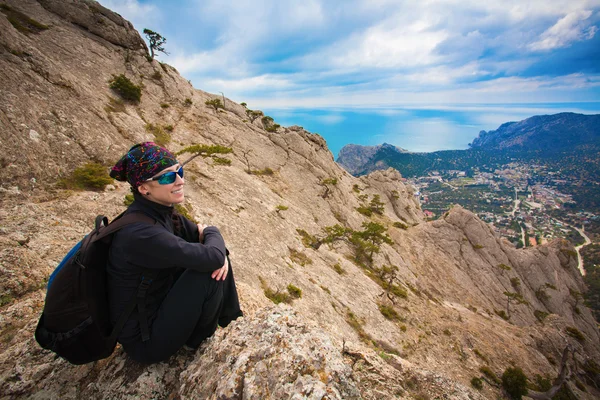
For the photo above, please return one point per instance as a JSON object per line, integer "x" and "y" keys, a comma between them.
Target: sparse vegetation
{"x": 477, "y": 383}
{"x": 161, "y": 137}
{"x": 22, "y": 22}
{"x": 165, "y": 105}
{"x": 262, "y": 172}
{"x": 281, "y": 207}
{"x": 389, "y": 313}
{"x": 490, "y": 374}
{"x": 515, "y": 283}
{"x": 337, "y": 267}
{"x": 329, "y": 181}
{"x": 188, "y": 102}
{"x": 540, "y": 315}
{"x": 299, "y": 257}
{"x": 400, "y": 225}
{"x": 114, "y": 105}
{"x": 575, "y": 333}
{"x": 204, "y": 151}
{"x": 480, "y": 355}
{"x": 125, "y": 88}
{"x": 269, "y": 124}
{"x": 510, "y": 297}
{"x": 214, "y": 103}
{"x": 294, "y": 291}
{"x": 504, "y": 267}
{"x": 91, "y": 176}
{"x": 514, "y": 382}
{"x": 185, "y": 211}
{"x": 252, "y": 114}
{"x": 128, "y": 199}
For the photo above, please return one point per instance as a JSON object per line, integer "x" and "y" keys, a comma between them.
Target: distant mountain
{"x": 567, "y": 138}
{"x": 354, "y": 157}
{"x": 544, "y": 133}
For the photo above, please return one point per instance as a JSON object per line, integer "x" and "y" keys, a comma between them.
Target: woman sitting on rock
{"x": 192, "y": 287}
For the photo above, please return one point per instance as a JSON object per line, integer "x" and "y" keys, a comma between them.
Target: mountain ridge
{"x": 280, "y": 192}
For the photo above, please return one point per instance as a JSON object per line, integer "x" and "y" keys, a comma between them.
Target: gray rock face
{"x": 93, "y": 17}
{"x": 356, "y": 158}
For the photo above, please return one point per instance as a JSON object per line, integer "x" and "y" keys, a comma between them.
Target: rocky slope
{"x": 544, "y": 133}
{"x": 354, "y": 157}
{"x": 58, "y": 113}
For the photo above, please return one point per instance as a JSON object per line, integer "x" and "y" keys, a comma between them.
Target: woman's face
{"x": 167, "y": 194}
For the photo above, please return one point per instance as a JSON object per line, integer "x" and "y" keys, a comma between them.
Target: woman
{"x": 192, "y": 287}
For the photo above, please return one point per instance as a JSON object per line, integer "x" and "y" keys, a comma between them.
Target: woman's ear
{"x": 143, "y": 189}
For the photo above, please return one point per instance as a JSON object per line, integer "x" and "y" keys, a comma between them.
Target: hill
{"x": 417, "y": 313}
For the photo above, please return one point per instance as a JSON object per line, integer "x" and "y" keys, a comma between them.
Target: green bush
{"x": 514, "y": 382}
{"x": 337, "y": 267}
{"x": 125, "y": 88}
{"x": 299, "y": 258}
{"x": 281, "y": 207}
{"x": 267, "y": 171}
{"x": 389, "y": 313}
{"x": 540, "y": 315}
{"x": 214, "y": 103}
{"x": 575, "y": 333}
{"x": 128, "y": 200}
{"x": 164, "y": 105}
{"x": 329, "y": 181}
{"x": 187, "y": 102}
{"x": 477, "y": 383}
{"x": 400, "y": 225}
{"x": 91, "y": 176}
{"x": 490, "y": 374}
{"x": 221, "y": 161}
{"x": 294, "y": 291}
{"x": 275, "y": 296}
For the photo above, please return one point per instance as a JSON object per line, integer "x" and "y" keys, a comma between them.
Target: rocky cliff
{"x": 354, "y": 158}
{"x": 418, "y": 318}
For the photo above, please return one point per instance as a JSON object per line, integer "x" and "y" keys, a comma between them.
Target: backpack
{"x": 75, "y": 323}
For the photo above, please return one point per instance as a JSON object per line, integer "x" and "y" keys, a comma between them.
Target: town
{"x": 523, "y": 202}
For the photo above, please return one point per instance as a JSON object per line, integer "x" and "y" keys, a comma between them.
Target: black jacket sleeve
{"x": 155, "y": 247}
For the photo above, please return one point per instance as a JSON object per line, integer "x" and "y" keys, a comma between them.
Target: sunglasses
{"x": 168, "y": 178}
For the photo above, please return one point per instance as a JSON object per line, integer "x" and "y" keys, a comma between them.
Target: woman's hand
{"x": 221, "y": 273}
{"x": 201, "y": 228}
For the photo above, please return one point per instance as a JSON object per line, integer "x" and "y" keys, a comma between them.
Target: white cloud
{"x": 572, "y": 27}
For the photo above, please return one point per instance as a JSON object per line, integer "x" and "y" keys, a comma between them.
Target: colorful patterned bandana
{"x": 142, "y": 162}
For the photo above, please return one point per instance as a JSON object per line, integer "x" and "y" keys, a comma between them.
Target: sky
{"x": 424, "y": 75}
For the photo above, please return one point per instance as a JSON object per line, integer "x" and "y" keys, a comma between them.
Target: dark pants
{"x": 188, "y": 315}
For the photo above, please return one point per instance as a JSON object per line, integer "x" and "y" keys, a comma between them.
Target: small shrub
{"x": 169, "y": 128}
{"x": 187, "y": 102}
{"x": 299, "y": 258}
{"x": 114, "y": 105}
{"x": 161, "y": 137}
{"x": 214, "y": 103}
{"x": 329, "y": 181}
{"x": 504, "y": 267}
{"x": 5, "y": 299}
{"x": 164, "y": 105}
{"x": 400, "y": 225}
{"x": 395, "y": 194}
{"x": 22, "y": 22}
{"x": 515, "y": 282}
{"x": 447, "y": 332}
{"x": 326, "y": 289}
{"x": 337, "y": 267}
{"x": 477, "y": 383}
{"x": 575, "y": 333}
{"x": 294, "y": 291}
{"x": 308, "y": 240}
{"x": 514, "y": 382}
{"x": 403, "y": 328}
{"x": 480, "y": 355}
{"x": 128, "y": 200}
{"x": 366, "y": 211}
{"x": 185, "y": 211}
{"x": 389, "y": 313}
{"x": 156, "y": 75}
{"x": 281, "y": 207}
{"x": 477, "y": 246}
{"x": 91, "y": 176}
{"x": 355, "y": 188}
{"x": 275, "y": 296}
{"x": 490, "y": 374}
{"x": 502, "y": 314}
{"x": 540, "y": 315}
{"x": 262, "y": 172}
{"x": 125, "y": 88}
{"x": 243, "y": 104}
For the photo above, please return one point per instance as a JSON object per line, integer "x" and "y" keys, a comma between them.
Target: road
{"x": 578, "y": 248}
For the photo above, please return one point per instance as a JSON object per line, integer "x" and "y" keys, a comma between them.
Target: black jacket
{"x": 139, "y": 246}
